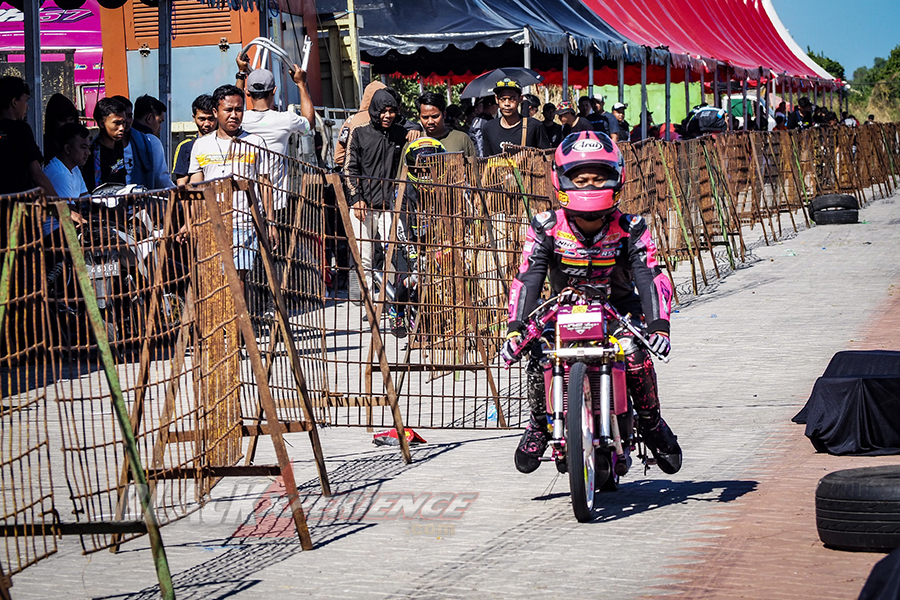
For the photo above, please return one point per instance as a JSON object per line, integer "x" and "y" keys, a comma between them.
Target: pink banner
{"x": 77, "y": 28}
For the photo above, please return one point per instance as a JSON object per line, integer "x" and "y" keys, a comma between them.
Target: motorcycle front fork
{"x": 610, "y": 434}
{"x": 607, "y": 430}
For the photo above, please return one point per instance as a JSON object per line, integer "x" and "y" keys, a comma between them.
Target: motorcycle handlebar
{"x": 539, "y": 318}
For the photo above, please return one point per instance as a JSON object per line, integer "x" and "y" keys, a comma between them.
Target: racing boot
{"x": 533, "y": 444}
{"x": 398, "y": 322}
{"x": 664, "y": 446}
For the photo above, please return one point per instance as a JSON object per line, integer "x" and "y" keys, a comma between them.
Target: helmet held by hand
{"x": 423, "y": 146}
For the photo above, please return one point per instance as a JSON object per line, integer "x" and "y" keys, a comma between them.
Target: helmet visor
{"x": 589, "y": 177}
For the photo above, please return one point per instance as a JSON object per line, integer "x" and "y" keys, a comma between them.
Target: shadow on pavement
{"x": 640, "y": 496}
{"x": 635, "y": 497}
{"x": 267, "y": 536}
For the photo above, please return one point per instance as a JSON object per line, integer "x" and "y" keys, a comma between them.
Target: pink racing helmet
{"x": 583, "y": 149}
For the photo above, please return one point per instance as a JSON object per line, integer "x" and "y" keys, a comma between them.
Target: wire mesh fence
{"x": 25, "y": 453}
{"x": 150, "y": 267}
{"x": 385, "y": 317}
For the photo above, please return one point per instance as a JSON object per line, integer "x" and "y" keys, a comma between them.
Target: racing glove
{"x": 509, "y": 352}
{"x": 659, "y": 344}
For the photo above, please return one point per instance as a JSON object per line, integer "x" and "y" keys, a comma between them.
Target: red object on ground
{"x": 389, "y": 438}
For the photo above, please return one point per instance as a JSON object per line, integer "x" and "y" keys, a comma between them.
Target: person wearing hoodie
{"x": 360, "y": 118}
{"x": 413, "y": 130}
{"x": 373, "y": 151}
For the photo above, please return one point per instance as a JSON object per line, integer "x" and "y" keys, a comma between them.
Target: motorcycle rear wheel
{"x": 580, "y": 454}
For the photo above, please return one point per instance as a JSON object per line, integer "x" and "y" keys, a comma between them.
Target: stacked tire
{"x": 834, "y": 209}
{"x": 859, "y": 509}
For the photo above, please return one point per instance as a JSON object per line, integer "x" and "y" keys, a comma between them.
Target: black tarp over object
{"x": 854, "y": 407}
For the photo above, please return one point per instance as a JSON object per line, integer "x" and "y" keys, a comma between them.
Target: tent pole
{"x": 715, "y": 91}
{"x": 783, "y": 95}
{"x": 35, "y": 114}
{"x": 744, "y": 102}
{"x": 449, "y": 92}
{"x": 702, "y": 87}
{"x": 621, "y": 76}
{"x": 728, "y": 75}
{"x": 526, "y": 58}
{"x": 831, "y": 98}
{"x": 761, "y": 97}
{"x": 565, "y": 93}
{"x": 687, "y": 90}
{"x": 591, "y": 72}
{"x": 791, "y": 92}
{"x": 165, "y": 72}
{"x": 354, "y": 47}
{"x": 644, "y": 58}
{"x": 421, "y": 85}
{"x": 772, "y": 90}
{"x": 668, "y": 97}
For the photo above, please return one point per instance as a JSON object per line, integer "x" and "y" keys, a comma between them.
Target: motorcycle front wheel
{"x": 580, "y": 454}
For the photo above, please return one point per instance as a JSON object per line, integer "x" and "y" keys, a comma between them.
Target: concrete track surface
{"x": 737, "y": 521}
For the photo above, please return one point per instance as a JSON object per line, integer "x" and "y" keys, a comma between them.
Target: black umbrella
{"x": 484, "y": 84}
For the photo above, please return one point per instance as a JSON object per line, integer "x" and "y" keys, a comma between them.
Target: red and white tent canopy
{"x": 745, "y": 34}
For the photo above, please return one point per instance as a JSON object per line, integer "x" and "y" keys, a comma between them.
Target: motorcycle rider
{"x": 589, "y": 240}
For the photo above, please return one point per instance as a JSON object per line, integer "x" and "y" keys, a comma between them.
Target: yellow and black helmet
{"x": 423, "y": 146}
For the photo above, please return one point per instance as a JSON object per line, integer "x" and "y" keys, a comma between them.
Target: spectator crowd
{"x": 126, "y": 148}
{"x": 371, "y": 149}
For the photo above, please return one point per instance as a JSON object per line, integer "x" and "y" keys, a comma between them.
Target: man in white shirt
{"x": 229, "y": 150}
{"x": 276, "y": 129}
{"x": 64, "y": 170}
{"x": 273, "y": 126}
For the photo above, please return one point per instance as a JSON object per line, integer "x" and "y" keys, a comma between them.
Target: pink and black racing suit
{"x": 622, "y": 258}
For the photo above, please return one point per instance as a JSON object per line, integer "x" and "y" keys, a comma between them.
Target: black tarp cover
{"x": 406, "y": 26}
{"x": 854, "y": 407}
{"x": 884, "y": 580}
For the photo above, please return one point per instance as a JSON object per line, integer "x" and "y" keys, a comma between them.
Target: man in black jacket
{"x": 373, "y": 150}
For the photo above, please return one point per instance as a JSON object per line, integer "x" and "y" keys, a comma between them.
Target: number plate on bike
{"x": 580, "y": 323}
{"x": 107, "y": 269}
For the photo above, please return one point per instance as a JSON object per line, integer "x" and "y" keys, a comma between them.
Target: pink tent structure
{"x": 746, "y": 35}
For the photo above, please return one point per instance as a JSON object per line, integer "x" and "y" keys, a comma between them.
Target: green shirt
{"x": 457, "y": 141}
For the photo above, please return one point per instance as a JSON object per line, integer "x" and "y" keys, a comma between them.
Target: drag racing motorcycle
{"x": 121, "y": 248}
{"x": 591, "y": 417}
{"x": 121, "y": 238}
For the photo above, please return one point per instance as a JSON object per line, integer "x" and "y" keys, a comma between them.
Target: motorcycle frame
{"x": 603, "y": 357}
